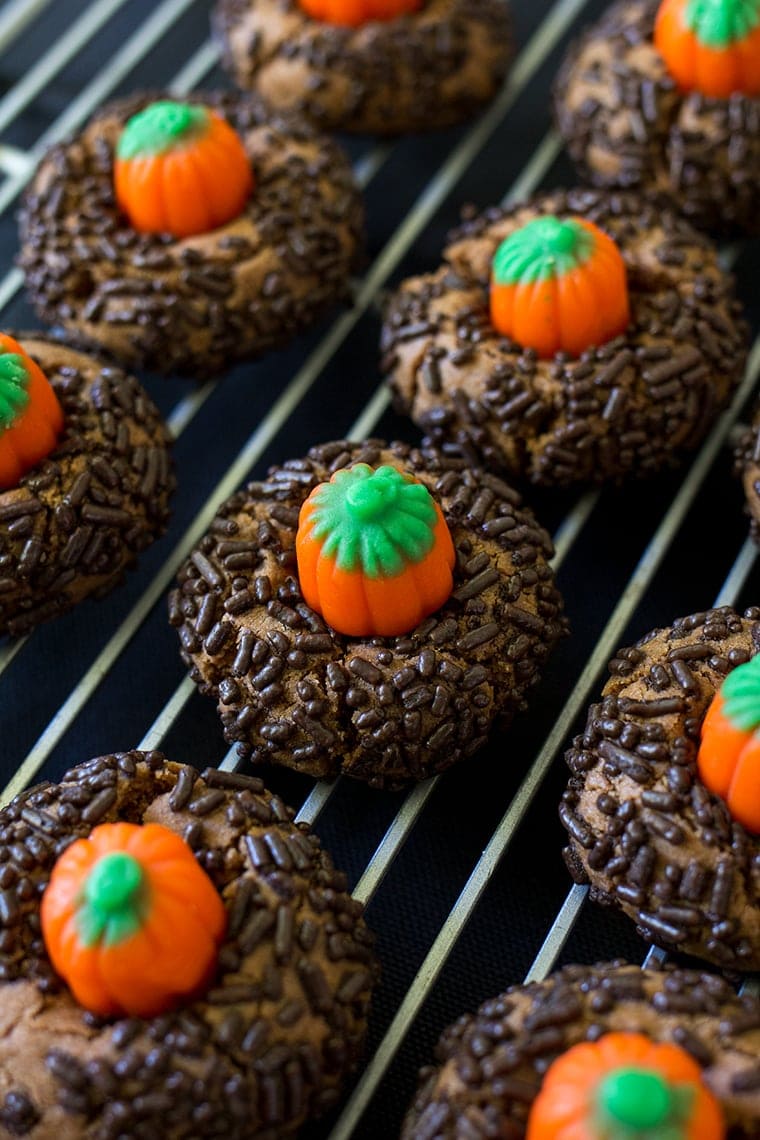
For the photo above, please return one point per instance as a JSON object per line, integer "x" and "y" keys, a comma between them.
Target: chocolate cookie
{"x": 426, "y": 69}
{"x": 194, "y": 304}
{"x": 388, "y": 709}
{"x": 627, "y": 124}
{"x": 747, "y": 467}
{"x": 644, "y": 829}
{"x": 77, "y": 519}
{"x": 283, "y": 1020}
{"x": 632, "y": 405}
{"x": 491, "y": 1065}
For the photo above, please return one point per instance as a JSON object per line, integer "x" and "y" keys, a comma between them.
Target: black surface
{"x": 518, "y": 907}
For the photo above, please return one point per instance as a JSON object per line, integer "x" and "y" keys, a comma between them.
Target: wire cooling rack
{"x": 462, "y": 875}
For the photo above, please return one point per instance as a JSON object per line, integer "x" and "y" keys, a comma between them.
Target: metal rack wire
{"x": 62, "y": 689}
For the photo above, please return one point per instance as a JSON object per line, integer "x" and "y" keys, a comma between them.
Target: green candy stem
{"x": 377, "y": 522}
{"x": 639, "y": 1104}
{"x": 741, "y": 695}
{"x": 14, "y": 385}
{"x": 546, "y": 247}
{"x": 719, "y": 23}
{"x": 161, "y": 127}
{"x": 112, "y": 905}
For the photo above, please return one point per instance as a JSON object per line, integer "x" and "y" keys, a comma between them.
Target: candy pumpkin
{"x": 374, "y": 552}
{"x": 711, "y": 46}
{"x": 180, "y": 169}
{"x": 31, "y": 419}
{"x": 559, "y": 285}
{"x": 625, "y": 1087}
{"x": 729, "y": 754}
{"x": 131, "y": 921}
{"x": 352, "y": 13}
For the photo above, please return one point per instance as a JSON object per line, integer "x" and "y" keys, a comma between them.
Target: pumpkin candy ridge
{"x": 558, "y": 285}
{"x": 31, "y": 418}
{"x": 711, "y": 46}
{"x": 180, "y": 169}
{"x": 374, "y": 552}
{"x": 130, "y": 920}
{"x": 355, "y": 13}
{"x": 728, "y": 759}
{"x": 625, "y": 1086}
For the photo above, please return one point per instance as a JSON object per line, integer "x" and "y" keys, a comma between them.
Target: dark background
{"x": 126, "y": 687}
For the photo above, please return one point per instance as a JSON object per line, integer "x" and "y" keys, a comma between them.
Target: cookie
{"x": 629, "y": 124}
{"x": 386, "y": 75}
{"x": 542, "y": 401}
{"x": 644, "y": 827}
{"x": 77, "y": 516}
{"x": 747, "y": 467}
{"x": 491, "y": 1065}
{"x": 278, "y": 1026}
{"x": 192, "y": 304}
{"x": 385, "y": 707}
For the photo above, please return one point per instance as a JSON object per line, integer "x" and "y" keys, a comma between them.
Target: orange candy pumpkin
{"x": 374, "y": 552}
{"x": 131, "y": 921}
{"x": 729, "y": 754}
{"x": 352, "y": 13}
{"x": 180, "y": 169}
{"x": 625, "y": 1087}
{"x": 31, "y": 419}
{"x": 711, "y": 46}
{"x": 559, "y": 285}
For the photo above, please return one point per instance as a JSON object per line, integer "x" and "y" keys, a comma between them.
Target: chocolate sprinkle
{"x": 259, "y": 1053}
{"x": 626, "y": 125}
{"x": 387, "y": 710}
{"x": 644, "y": 831}
{"x": 602, "y": 416}
{"x": 88, "y": 513}
{"x": 491, "y": 1065}
{"x": 422, "y": 70}
{"x": 196, "y": 305}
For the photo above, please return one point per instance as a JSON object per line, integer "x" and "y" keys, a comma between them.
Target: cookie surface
{"x": 284, "y": 1020}
{"x": 626, "y": 125}
{"x": 644, "y": 830}
{"x": 79, "y": 518}
{"x": 491, "y": 1065}
{"x": 291, "y": 690}
{"x": 747, "y": 467}
{"x": 631, "y": 406}
{"x": 412, "y": 73}
{"x": 198, "y": 304}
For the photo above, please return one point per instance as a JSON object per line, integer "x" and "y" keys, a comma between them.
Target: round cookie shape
{"x": 643, "y": 828}
{"x": 491, "y": 1065}
{"x": 79, "y": 518}
{"x": 415, "y": 72}
{"x": 197, "y": 304}
{"x": 293, "y": 691}
{"x": 627, "y": 124}
{"x": 269, "y": 1042}
{"x": 630, "y": 406}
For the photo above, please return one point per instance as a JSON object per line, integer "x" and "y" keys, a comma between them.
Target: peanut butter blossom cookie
{"x": 667, "y": 98}
{"x": 384, "y": 66}
{"x": 662, "y": 808}
{"x": 186, "y": 236}
{"x": 576, "y": 338}
{"x": 607, "y": 1052}
{"x": 372, "y": 609}
{"x": 85, "y": 478}
{"x": 178, "y": 959}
